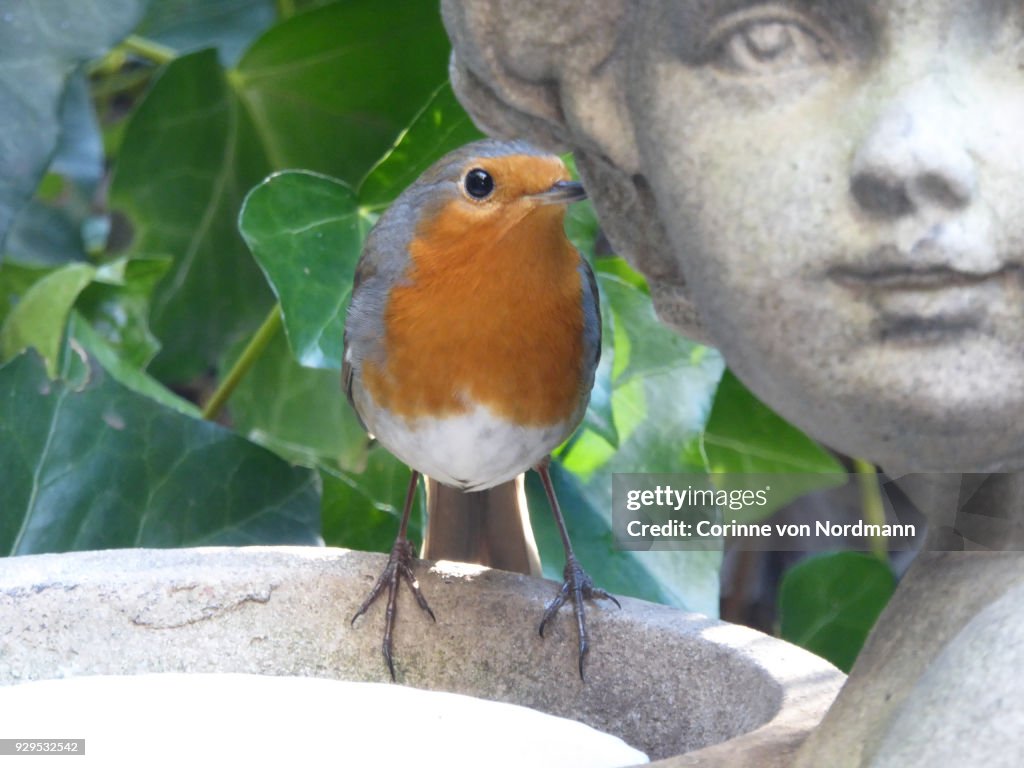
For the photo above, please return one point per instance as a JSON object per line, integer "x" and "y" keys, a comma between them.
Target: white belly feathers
{"x": 472, "y": 451}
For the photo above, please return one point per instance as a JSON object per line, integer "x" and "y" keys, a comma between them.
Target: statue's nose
{"x": 914, "y": 155}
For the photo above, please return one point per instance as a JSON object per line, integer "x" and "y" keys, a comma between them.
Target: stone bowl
{"x": 666, "y": 682}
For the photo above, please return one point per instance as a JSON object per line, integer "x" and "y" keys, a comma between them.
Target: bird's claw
{"x": 578, "y": 584}
{"x": 398, "y": 568}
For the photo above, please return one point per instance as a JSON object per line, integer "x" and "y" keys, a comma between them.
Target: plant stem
{"x": 263, "y": 336}
{"x": 871, "y": 504}
{"x": 149, "y": 49}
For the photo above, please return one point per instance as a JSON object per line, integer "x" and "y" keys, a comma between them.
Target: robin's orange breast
{"x": 486, "y": 315}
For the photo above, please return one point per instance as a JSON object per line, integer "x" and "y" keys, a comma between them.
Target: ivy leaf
{"x": 97, "y": 466}
{"x": 187, "y": 157}
{"x": 122, "y": 371}
{"x": 15, "y": 281}
{"x": 39, "y": 319}
{"x": 41, "y": 44}
{"x": 56, "y": 225}
{"x": 189, "y": 25}
{"x": 331, "y": 90}
{"x": 305, "y": 231}
{"x": 642, "y": 344}
{"x": 829, "y": 603}
{"x": 117, "y": 306}
{"x": 441, "y": 126}
{"x": 744, "y": 436}
{"x": 362, "y": 509}
{"x": 301, "y": 413}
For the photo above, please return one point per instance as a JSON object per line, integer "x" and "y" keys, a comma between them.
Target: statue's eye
{"x": 478, "y": 183}
{"x": 767, "y": 41}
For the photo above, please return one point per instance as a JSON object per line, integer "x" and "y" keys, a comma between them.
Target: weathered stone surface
{"x": 934, "y": 684}
{"x": 666, "y": 682}
{"x": 973, "y": 687}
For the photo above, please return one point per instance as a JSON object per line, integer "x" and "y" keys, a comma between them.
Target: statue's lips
{"x": 926, "y": 301}
{"x": 930, "y": 265}
{"x": 903, "y": 278}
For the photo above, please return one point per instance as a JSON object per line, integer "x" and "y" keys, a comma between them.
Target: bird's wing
{"x": 383, "y": 262}
{"x": 591, "y": 322}
{"x": 365, "y": 269}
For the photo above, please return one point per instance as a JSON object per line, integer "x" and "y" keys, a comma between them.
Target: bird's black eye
{"x": 479, "y": 183}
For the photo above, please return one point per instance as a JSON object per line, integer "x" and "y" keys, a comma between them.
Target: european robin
{"x": 472, "y": 337}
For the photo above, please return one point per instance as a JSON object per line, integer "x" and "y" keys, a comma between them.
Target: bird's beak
{"x": 561, "y": 193}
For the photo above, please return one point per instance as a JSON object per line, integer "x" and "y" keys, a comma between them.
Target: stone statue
{"x": 829, "y": 192}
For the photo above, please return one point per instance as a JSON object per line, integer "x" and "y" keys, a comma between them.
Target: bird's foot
{"x": 399, "y": 567}
{"x": 581, "y": 587}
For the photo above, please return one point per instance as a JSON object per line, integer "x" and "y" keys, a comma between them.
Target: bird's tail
{"x": 489, "y": 527}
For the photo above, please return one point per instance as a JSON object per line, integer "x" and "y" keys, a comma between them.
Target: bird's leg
{"x": 577, "y": 583}
{"x": 399, "y": 567}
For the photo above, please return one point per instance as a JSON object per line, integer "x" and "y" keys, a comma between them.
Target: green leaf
{"x": 41, "y": 44}
{"x": 305, "y": 231}
{"x": 117, "y": 306}
{"x": 120, "y": 370}
{"x": 291, "y": 7}
{"x": 331, "y": 90}
{"x": 642, "y": 344}
{"x": 745, "y": 436}
{"x": 39, "y": 319}
{"x": 15, "y": 281}
{"x": 79, "y": 154}
{"x": 634, "y": 344}
{"x": 48, "y": 230}
{"x": 300, "y": 413}
{"x": 44, "y": 235}
{"x": 582, "y": 227}
{"x": 829, "y": 603}
{"x": 441, "y": 126}
{"x": 98, "y": 466}
{"x": 658, "y": 417}
{"x": 361, "y": 510}
{"x": 188, "y": 156}
{"x": 188, "y": 25}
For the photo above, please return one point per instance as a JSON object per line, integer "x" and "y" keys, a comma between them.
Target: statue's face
{"x": 843, "y": 183}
